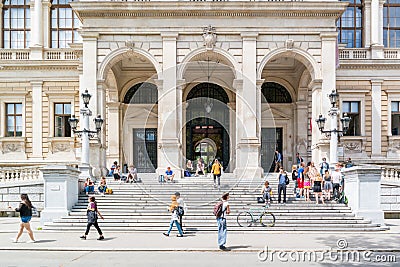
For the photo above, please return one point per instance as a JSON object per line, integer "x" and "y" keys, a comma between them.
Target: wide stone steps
{"x": 143, "y": 207}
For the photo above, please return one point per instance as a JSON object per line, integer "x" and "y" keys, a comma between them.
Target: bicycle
{"x": 247, "y": 218}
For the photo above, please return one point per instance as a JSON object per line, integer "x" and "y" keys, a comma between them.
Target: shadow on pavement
{"x": 238, "y": 247}
{"x": 45, "y": 241}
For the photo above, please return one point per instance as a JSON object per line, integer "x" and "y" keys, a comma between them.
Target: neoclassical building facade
{"x": 182, "y": 80}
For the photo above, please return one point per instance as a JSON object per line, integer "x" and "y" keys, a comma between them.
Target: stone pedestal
{"x": 60, "y": 191}
{"x": 363, "y": 189}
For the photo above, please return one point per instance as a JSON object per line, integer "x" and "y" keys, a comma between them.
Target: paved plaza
{"x": 199, "y": 249}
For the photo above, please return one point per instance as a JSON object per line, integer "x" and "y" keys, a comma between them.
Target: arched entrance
{"x": 207, "y": 126}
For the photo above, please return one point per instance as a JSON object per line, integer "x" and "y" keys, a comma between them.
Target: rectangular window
{"x": 62, "y": 112}
{"x": 350, "y": 24}
{"x": 352, "y": 109}
{"x": 395, "y": 117}
{"x": 391, "y": 23}
{"x": 13, "y": 119}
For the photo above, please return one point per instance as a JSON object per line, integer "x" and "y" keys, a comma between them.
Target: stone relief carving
{"x": 394, "y": 145}
{"x": 289, "y": 43}
{"x": 12, "y": 146}
{"x": 130, "y": 44}
{"x": 209, "y": 37}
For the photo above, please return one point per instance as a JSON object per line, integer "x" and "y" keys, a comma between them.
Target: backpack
{"x": 180, "y": 211}
{"x": 109, "y": 191}
{"x": 218, "y": 209}
{"x": 287, "y": 180}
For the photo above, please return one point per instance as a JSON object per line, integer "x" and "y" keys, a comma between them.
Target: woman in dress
{"x": 312, "y": 176}
{"x": 25, "y": 212}
{"x": 92, "y": 213}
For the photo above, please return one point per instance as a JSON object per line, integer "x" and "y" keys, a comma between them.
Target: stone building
{"x": 179, "y": 80}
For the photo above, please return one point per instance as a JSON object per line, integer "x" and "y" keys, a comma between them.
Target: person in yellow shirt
{"x": 216, "y": 170}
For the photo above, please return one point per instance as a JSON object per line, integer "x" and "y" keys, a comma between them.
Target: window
{"x": 16, "y": 23}
{"x": 352, "y": 108}
{"x": 391, "y": 23}
{"x": 275, "y": 93}
{"x": 14, "y": 119}
{"x": 395, "y": 108}
{"x": 350, "y": 24}
{"x": 64, "y": 24}
{"x": 142, "y": 93}
{"x": 62, "y": 112}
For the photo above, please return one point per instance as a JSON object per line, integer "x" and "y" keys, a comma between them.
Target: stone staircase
{"x": 143, "y": 207}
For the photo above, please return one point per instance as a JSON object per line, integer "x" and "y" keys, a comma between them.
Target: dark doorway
{"x": 271, "y": 139}
{"x": 145, "y": 149}
{"x": 207, "y": 118}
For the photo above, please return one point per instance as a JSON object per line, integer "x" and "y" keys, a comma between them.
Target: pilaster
{"x": 37, "y": 119}
{"x": 376, "y": 92}
{"x": 367, "y": 23}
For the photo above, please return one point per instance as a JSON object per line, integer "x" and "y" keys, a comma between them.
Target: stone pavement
{"x": 204, "y": 241}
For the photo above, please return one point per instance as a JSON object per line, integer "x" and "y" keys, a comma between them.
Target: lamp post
{"x": 333, "y": 133}
{"x": 85, "y": 134}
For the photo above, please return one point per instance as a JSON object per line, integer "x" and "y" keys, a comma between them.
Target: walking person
{"x": 25, "y": 212}
{"x": 221, "y": 221}
{"x": 336, "y": 180}
{"x": 299, "y": 160}
{"x": 92, "y": 214}
{"x": 278, "y": 160}
{"x": 300, "y": 181}
{"x": 317, "y": 188}
{"x": 282, "y": 177}
{"x": 323, "y": 166}
{"x": 216, "y": 171}
{"x": 294, "y": 179}
{"x": 173, "y": 208}
{"x": 182, "y": 209}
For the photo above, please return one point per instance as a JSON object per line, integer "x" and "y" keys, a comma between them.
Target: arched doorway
{"x": 207, "y": 126}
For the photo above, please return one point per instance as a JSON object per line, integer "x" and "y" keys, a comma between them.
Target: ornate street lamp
{"x": 85, "y": 134}
{"x": 333, "y": 133}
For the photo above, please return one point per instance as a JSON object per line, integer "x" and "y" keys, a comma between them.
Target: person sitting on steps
{"x": 169, "y": 174}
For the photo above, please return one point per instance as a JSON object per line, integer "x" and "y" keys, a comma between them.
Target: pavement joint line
{"x": 234, "y": 250}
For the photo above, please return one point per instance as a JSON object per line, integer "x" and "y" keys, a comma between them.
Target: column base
{"x": 48, "y": 215}
{"x": 376, "y": 216}
{"x": 86, "y": 171}
{"x": 249, "y": 173}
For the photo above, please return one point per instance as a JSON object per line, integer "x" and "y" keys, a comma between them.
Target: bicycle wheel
{"x": 244, "y": 219}
{"x": 267, "y": 219}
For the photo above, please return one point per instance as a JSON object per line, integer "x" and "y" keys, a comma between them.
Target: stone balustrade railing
{"x": 48, "y": 54}
{"x": 20, "y": 174}
{"x": 365, "y": 53}
{"x": 391, "y": 174}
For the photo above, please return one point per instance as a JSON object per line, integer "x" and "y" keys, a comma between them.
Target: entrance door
{"x": 145, "y": 149}
{"x": 271, "y": 139}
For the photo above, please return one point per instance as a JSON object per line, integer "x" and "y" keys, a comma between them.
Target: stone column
{"x": 1, "y": 21}
{"x": 101, "y": 99}
{"x": 362, "y": 186}
{"x": 180, "y": 117}
{"x": 376, "y": 29}
{"x": 112, "y": 122}
{"x": 302, "y": 129}
{"x": 60, "y": 191}
{"x": 169, "y": 145}
{"x": 36, "y": 43}
{"x": 376, "y": 89}
{"x": 259, "y": 84}
{"x": 232, "y": 135}
{"x": 37, "y": 119}
{"x": 319, "y": 146}
{"x": 46, "y": 23}
{"x": 367, "y": 23}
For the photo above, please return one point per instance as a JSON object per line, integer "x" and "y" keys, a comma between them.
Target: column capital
{"x": 37, "y": 83}
{"x": 169, "y": 36}
{"x": 328, "y": 36}
{"x": 249, "y": 36}
{"x": 315, "y": 84}
{"x": 260, "y": 82}
{"x": 237, "y": 84}
{"x": 89, "y": 36}
{"x": 367, "y": 2}
{"x": 376, "y": 81}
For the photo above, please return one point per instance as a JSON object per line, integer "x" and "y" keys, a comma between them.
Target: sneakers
{"x": 165, "y": 234}
{"x": 83, "y": 237}
{"x": 100, "y": 238}
{"x": 14, "y": 240}
{"x": 31, "y": 241}
{"x": 179, "y": 235}
{"x": 222, "y": 247}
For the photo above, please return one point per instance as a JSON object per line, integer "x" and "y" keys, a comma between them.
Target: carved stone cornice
{"x": 208, "y": 9}
{"x": 44, "y": 66}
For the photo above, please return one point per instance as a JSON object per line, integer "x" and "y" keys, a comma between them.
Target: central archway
{"x": 207, "y": 127}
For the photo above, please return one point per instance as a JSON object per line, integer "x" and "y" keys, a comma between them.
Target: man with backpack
{"x": 221, "y": 210}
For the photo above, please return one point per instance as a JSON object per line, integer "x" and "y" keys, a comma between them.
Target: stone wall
{"x": 390, "y": 199}
{"x": 10, "y": 194}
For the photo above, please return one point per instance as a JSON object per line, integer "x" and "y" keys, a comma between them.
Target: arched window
{"x": 16, "y": 24}
{"x": 142, "y": 93}
{"x": 275, "y": 93}
{"x": 350, "y": 24}
{"x": 64, "y": 24}
{"x": 391, "y": 23}
{"x": 208, "y": 90}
